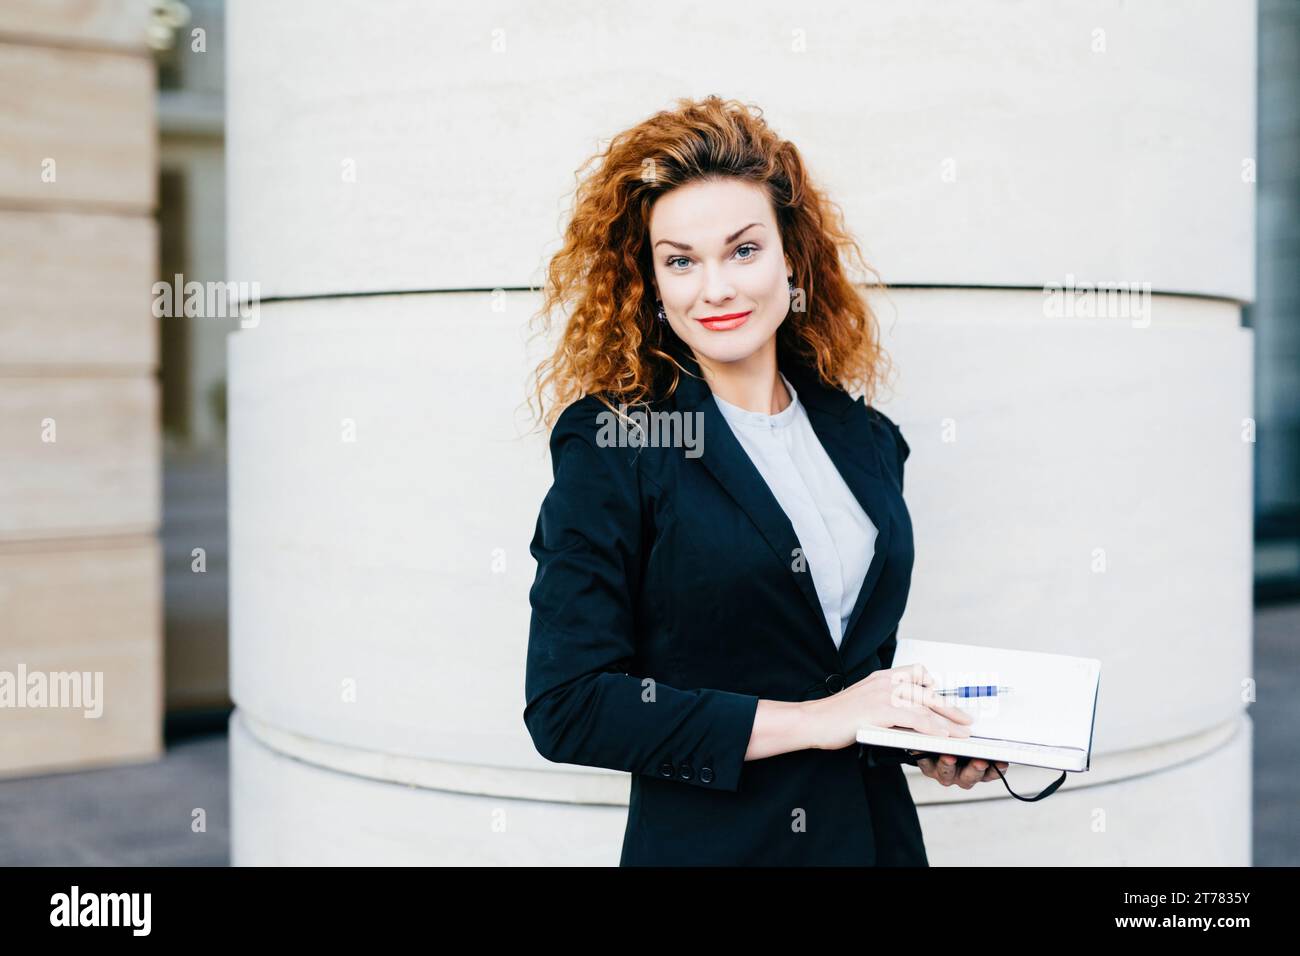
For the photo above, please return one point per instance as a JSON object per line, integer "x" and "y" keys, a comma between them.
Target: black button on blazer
{"x": 669, "y": 598}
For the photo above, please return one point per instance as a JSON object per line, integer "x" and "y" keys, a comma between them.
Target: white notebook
{"x": 1044, "y": 720}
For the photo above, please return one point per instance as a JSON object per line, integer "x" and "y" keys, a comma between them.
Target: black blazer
{"x": 666, "y": 603}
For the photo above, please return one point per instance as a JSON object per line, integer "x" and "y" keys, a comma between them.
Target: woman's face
{"x": 717, "y": 252}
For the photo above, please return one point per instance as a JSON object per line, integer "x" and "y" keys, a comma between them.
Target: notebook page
{"x": 1051, "y": 699}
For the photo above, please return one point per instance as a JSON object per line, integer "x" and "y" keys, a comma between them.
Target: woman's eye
{"x": 748, "y": 245}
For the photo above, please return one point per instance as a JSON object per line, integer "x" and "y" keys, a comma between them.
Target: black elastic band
{"x": 1047, "y": 791}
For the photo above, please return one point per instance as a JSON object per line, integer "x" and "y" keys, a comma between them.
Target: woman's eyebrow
{"x": 731, "y": 238}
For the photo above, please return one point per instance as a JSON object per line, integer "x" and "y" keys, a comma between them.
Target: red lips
{"x": 721, "y": 323}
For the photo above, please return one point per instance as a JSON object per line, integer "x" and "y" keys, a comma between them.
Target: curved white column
{"x": 1095, "y": 500}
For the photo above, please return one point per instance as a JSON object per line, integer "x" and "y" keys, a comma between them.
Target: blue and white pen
{"x": 974, "y": 690}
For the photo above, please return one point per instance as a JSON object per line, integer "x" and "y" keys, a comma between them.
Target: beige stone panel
{"x": 79, "y": 291}
{"x": 100, "y": 475}
{"x": 91, "y": 113}
{"x": 108, "y": 23}
{"x": 91, "y": 606}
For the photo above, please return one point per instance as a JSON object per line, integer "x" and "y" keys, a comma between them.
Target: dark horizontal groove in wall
{"x": 1103, "y": 286}
{"x": 85, "y": 207}
{"x": 78, "y": 44}
{"x": 308, "y": 297}
{"x": 315, "y": 296}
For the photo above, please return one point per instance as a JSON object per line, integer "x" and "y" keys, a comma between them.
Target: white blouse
{"x": 837, "y": 537}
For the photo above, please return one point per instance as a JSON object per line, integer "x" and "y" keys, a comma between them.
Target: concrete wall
{"x": 1078, "y": 485}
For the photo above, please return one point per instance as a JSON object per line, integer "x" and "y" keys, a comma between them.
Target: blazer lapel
{"x": 848, "y": 441}
{"x": 850, "y": 445}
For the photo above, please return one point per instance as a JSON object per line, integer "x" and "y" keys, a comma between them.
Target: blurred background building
{"x": 192, "y": 243}
{"x": 396, "y": 174}
{"x": 80, "y": 442}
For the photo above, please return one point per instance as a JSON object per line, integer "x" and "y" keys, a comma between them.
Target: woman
{"x": 725, "y": 554}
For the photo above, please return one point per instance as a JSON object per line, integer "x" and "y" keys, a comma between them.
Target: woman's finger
{"x": 939, "y": 705}
{"x": 909, "y": 674}
{"x": 911, "y": 715}
{"x": 944, "y": 768}
{"x": 972, "y": 774}
{"x": 930, "y": 767}
{"x": 947, "y": 769}
{"x": 925, "y": 714}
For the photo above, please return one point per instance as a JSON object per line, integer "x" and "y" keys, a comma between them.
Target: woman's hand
{"x": 943, "y": 767}
{"x": 896, "y": 697}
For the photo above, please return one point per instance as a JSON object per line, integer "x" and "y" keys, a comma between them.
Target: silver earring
{"x": 790, "y": 280}
{"x": 659, "y": 313}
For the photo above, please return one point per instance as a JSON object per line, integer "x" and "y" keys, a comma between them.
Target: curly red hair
{"x": 612, "y": 345}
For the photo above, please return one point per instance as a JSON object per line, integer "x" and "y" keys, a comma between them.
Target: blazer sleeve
{"x": 903, "y": 451}
{"x": 895, "y": 435}
{"x": 582, "y": 705}
{"x": 879, "y": 756}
